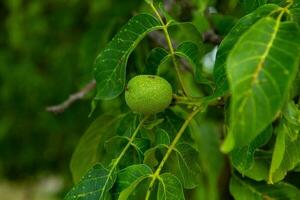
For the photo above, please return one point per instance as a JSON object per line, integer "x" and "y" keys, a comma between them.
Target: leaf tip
{"x": 227, "y": 145}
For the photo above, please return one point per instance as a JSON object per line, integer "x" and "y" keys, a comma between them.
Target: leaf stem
{"x": 170, "y": 149}
{"x": 118, "y": 159}
{"x": 170, "y": 45}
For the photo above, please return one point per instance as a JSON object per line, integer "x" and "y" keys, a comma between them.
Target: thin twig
{"x": 72, "y": 98}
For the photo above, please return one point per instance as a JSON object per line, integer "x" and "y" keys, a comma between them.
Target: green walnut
{"x": 148, "y": 94}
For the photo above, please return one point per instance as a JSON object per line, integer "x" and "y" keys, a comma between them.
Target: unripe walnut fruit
{"x": 148, "y": 94}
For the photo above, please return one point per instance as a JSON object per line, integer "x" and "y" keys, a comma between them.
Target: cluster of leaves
{"x": 251, "y": 98}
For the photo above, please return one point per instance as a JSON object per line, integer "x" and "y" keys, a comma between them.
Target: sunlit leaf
{"x": 110, "y": 65}
{"x": 230, "y": 40}
{"x": 261, "y": 69}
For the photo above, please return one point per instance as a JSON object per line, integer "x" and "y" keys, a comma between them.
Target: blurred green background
{"x": 47, "y": 50}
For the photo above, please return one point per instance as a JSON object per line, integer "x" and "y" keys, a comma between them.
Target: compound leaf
{"x": 261, "y": 69}
{"x": 110, "y": 65}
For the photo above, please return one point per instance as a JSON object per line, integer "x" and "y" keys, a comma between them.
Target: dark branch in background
{"x": 211, "y": 37}
{"x": 72, "y": 98}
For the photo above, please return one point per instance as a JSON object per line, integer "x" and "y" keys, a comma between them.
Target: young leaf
{"x": 191, "y": 52}
{"x": 242, "y": 189}
{"x": 129, "y": 178}
{"x": 243, "y": 158}
{"x": 230, "y": 40}
{"x": 155, "y": 59}
{"x": 169, "y": 188}
{"x": 87, "y": 152}
{"x": 94, "y": 185}
{"x": 261, "y": 69}
{"x": 110, "y": 65}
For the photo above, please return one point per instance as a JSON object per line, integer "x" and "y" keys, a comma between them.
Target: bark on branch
{"x": 72, "y": 98}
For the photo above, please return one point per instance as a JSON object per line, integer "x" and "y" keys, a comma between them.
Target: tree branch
{"x": 60, "y": 108}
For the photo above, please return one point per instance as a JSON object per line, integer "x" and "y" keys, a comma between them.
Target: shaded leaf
{"x": 243, "y": 158}
{"x": 191, "y": 52}
{"x": 286, "y": 154}
{"x": 230, "y": 40}
{"x": 261, "y": 69}
{"x": 156, "y": 57}
{"x": 110, "y": 65}
{"x": 161, "y": 137}
{"x": 188, "y": 170}
{"x": 244, "y": 189}
{"x": 90, "y": 145}
{"x": 130, "y": 177}
{"x": 169, "y": 188}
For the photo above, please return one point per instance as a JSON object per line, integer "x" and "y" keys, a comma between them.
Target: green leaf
{"x": 230, "y": 40}
{"x": 249, "y": 6}
{"x": 156, "y": 57}
{"x": 243, "y": 158}
{"x": 135, "y": 154}
{"x": 94, "y": 185}
{"x": 244, "y": 189}
{"x": 110, "y": 65}
{"x": 130, "y": 177}
{"x": 191, "y": 52}
{"x": 150, "y": 157}
{"x": 188, "y": 170}
{"x": 127, "y": 124}
{"x": 261, "y": 69}
{"x": 87, "y": 152}
{"x": 169, "y": 188}
{"x": 161, "y": 137}
{"x": 286, "y": 154}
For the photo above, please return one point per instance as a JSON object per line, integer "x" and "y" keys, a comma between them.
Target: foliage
{"x": 246, "y": 108}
